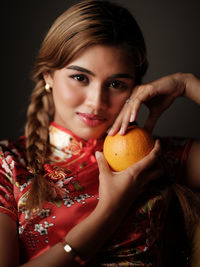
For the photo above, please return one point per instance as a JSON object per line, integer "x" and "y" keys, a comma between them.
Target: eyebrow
{"x": 81, "y": 69}
{"x": 118, "y": 75}
{"x": 122, "y": 75}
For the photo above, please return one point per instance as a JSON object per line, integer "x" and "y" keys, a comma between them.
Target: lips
{"x": 90, "y": 120}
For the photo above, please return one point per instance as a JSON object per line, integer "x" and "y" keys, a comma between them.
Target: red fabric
{"x": 74, "y": 173}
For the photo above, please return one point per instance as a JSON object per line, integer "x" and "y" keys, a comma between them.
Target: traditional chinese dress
{"x": 73, "y": 171}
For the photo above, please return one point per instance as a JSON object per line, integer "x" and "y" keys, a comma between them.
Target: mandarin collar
{"x": 66, "y": 141}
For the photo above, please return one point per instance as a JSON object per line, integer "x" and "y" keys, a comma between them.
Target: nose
{"x": 97, "y": 97}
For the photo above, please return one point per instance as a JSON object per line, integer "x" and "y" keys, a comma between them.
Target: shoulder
{"x": 12, "y": 157}
{"x": 15, "y": 149}
{"x": 12, "y": 169}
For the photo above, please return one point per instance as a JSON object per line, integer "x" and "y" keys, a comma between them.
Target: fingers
{"x": 127, "y": 115}
{"x": 131, "y": 107}
{"x": 147, "y": 161}
{"x": 121, "y": 123}
{"x": 157, "y": 96}
{"x": 153, "y": 155}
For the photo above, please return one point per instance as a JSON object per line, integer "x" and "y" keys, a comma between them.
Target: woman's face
{"x": 90, "y": 91}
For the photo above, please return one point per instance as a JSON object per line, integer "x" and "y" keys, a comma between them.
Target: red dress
{"x": 74, "y": 173}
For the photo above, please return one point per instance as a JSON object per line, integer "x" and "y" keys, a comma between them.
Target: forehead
{"x": 101, "y": 57}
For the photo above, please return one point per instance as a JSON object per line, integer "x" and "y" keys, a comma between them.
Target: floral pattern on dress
{"x": 72, "y": 170}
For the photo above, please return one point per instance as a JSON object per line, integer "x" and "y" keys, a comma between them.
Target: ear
{"x": 48, "y": 78}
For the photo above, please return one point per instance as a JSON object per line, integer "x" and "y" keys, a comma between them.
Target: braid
{"x": 85, "y": 24}
{"x": 40, "y": 112}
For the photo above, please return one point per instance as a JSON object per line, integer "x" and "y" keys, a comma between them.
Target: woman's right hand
{"x": 119, "y": 189}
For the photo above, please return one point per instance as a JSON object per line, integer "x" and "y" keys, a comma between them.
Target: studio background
{"x": 170, "y": 28}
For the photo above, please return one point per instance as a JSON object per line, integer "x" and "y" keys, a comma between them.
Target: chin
{"x": 91, "y": 134}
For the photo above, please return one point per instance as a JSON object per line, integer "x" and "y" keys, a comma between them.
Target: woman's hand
{"x": 157, "y": 96}
{"x": 120, "y": 189}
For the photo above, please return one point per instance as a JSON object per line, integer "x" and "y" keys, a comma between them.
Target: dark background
{"x": 172, "y": 33}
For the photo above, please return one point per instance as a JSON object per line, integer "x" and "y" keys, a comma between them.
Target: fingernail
{"x": 97, "y": 154}
{"x": 111, "y": 132}
{"x": 132, "y": 118}
{"x": 121, "y": 132}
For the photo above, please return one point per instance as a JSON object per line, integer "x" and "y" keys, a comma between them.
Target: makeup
{"x": 91, "y": 120}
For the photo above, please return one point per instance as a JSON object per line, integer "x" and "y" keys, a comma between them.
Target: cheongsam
{"x": 72, "y": 170}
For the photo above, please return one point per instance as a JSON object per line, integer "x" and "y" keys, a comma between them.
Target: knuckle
{"x": 151, "y": 87}
{"x": 153, "y": 154}
{"x": 116, "y": 125}
{"x": 125, "y": 124}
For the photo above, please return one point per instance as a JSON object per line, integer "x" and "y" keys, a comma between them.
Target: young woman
{"x": 60, "y": 204}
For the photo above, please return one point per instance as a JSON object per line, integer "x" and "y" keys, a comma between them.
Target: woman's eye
{"x": 118, "y": 85}
{"x": 79, "y": 78}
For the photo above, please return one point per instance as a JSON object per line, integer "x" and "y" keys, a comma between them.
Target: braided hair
{"x": 87, "y": 23}
{"x": 40, "y": 113}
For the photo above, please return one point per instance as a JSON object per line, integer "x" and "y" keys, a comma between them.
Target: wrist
{"x": 115, "y": 207}
{"x": 188, "y": 84}
{"x": 181, "y": 82}
{"x": 83, "y": 237}
{"x": 192, "y": 87}
{"x": 73, "y": 253}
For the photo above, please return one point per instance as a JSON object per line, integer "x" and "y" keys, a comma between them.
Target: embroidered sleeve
{"x": 7, "y": 200}
{"x": 175, "y": 154}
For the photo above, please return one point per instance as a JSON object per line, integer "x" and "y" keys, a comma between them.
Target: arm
{"x": 114, "y": 191}
{"x": 8, "y": 241}
{"x": 192, "y": 87}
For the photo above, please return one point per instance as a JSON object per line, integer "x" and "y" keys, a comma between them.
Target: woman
{"x": 66, "y": 204}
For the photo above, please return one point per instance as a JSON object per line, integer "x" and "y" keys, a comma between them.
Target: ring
{"x": 129, "y": 100}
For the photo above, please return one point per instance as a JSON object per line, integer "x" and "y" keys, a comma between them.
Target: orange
{"x": 122, "y": 151}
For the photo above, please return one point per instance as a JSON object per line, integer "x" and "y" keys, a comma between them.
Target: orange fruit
{"x": 122, "y": 151}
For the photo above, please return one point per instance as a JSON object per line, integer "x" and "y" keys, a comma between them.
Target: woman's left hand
{"x": 157, "y": 96}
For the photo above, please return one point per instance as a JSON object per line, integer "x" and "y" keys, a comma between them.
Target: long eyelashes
{"x": 113, "y": 84}
{"x": 80, "y": 78}
{"x": 116, "y": 84}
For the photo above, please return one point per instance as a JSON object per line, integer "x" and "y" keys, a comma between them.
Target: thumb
{"x": 102, "y": 163}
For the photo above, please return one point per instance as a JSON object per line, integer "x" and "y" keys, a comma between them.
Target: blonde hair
{"x": 84, "y": 24}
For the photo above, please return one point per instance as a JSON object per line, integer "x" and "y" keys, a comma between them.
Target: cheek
{"x": 118, "y": 102}
{"x": 66, "y": 95}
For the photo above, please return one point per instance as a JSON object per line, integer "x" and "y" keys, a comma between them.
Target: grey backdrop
{"x": 171, "y": 30}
